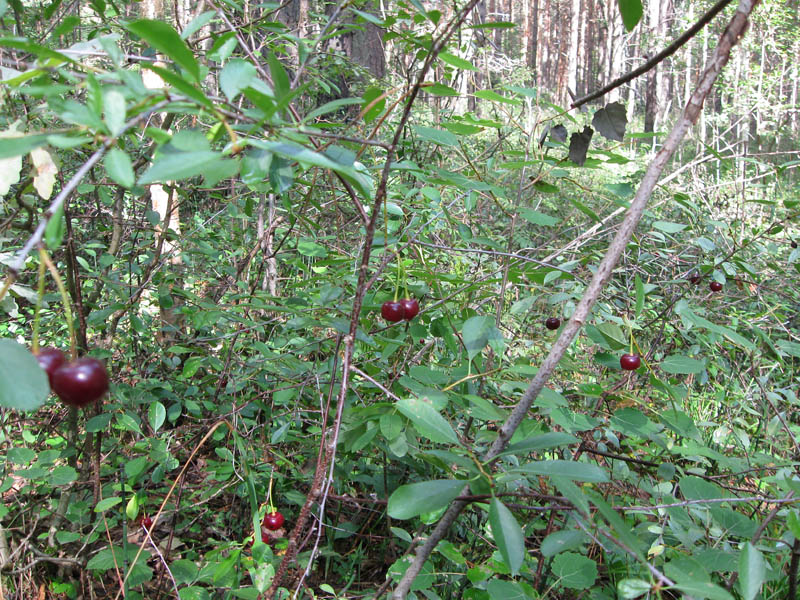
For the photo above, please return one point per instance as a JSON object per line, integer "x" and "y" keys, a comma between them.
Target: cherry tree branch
{"x": 691, "y": 112}
{"x": 665, "y": 53}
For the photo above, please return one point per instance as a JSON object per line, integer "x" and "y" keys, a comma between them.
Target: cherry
{"x": 694, "y": 277}
{"x": 392, "y": 311}
{"x": 630, "y": 362}
{"x": 266, "y": 538}
{"x": 50, "y": 359}
{"x": 552, "y": 323}
{"x": 80, "y": 382}
{"x": 147, "y": 523}
{"x": 793, "y": 244}
{"x": 273, "y": 521}
{"x": 715, "y": 286}
{"x": 410, "y": 308}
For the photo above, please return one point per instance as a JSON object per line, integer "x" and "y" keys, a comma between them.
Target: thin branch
{"x": 666, "y": 52}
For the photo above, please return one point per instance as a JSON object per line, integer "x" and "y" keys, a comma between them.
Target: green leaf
{"x": 180, "y": 84}
{"x": 114, "y": 110}
{"x": 457, "y": 62}
{"x": 197, "y": 24}
{"x": 280, "y": 80}
{"x": 436, "y": 136}
{"x": 479, "y": 331}
{"x": 561, "y": 541}
{"x": 752, "y": 571}
{"x": 413, "y": 499}
{"x": 427, "y": 421}
{"x": 63, "y": 475}
{"x": 538, "y": 218}
{"x": 156, "y": 414}
{"x": 678, "y": 364}
{"x": 107, "y": 503}
{"x": 166, "y": 40}
{"x": 493, "y": 96}
{"x": 235, "y": 77}
{"x": 575, "y": 471}
{"x": 574, "y": 571}
{"x": 23, "y": 383}
{"x": 180, "y": 165}
{"x": 632, "y": 588}
{"x": 631, "y": 12}
{"x": 119, "y": 167}
{"x": 508, "y": 535}
{"x": 17, "y": 146}
{"x": 703, "y": 589}
{"x": 542, "y": 441}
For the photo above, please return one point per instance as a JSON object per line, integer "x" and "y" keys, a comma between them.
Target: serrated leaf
{"x": 436, "y": 136}
{"x": 579, "y": 145}
{"x": 611, "y": 121}
{"x": 479, "y": 331}
{"x": 413, "y": 499}
{"x": 180, "y": 165}
{"x": 508, "y": 535}
{"x": 235, "y": 77}
{"x": 574, "y": 571}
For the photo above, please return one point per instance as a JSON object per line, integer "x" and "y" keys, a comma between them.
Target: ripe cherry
{"x": 552, "y": 323}
{"x": 50, "y": 359}
{"x": 694, "y": 277}
{"x": 147, "y": 523}
{"x": 793, "y": 244}
{"x": 410, "y": 308}
{"x": 392, "y": 311}
{"x": 80, "y": 382}
{"x": 273, "y": 521}
{"x": 630, "y": 362}
{"x": 715, "y": 286}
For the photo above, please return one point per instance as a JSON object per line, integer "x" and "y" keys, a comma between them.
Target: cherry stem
{"x": 397, "y": 282}
{"x": 73, "y": 342}
{"x": 269, "y": 495}
{"x": 37, "y": 308}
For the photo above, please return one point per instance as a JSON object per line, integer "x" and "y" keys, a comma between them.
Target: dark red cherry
{"x": 273, "y": 521}
{"x": 552, "y": 323}
{"x": 715, "y": 286}
{"x": 392, "y": 311}
{"x": 50, "y": 359}
{"x": 410, "y": 308}
{"x": 694, "y": 277}
{"x": 630, "y": 362}
{"x": 147, "y": 523}
{"x": 80, "y": 382}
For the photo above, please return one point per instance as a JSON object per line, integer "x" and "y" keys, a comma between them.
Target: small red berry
{"x": 552, "y": 323}
{"x": 392, "y": 311}
{"x": 694, "y": 277}
{"x": 715, "y": 286}
{"x": 410, "y": 308}
{"x": 50, "y": 359}
{"x": 273, "y": 521}
{"x": 630, "y": 362}
{"x": 147, "y": 523}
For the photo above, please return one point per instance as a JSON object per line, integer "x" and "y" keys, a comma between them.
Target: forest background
{"x": 590, "y": 391}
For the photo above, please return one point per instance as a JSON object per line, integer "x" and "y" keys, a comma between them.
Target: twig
{"x": 668, "y": 51}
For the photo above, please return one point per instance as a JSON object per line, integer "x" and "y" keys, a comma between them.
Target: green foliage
{"x": 249, "y": 310}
